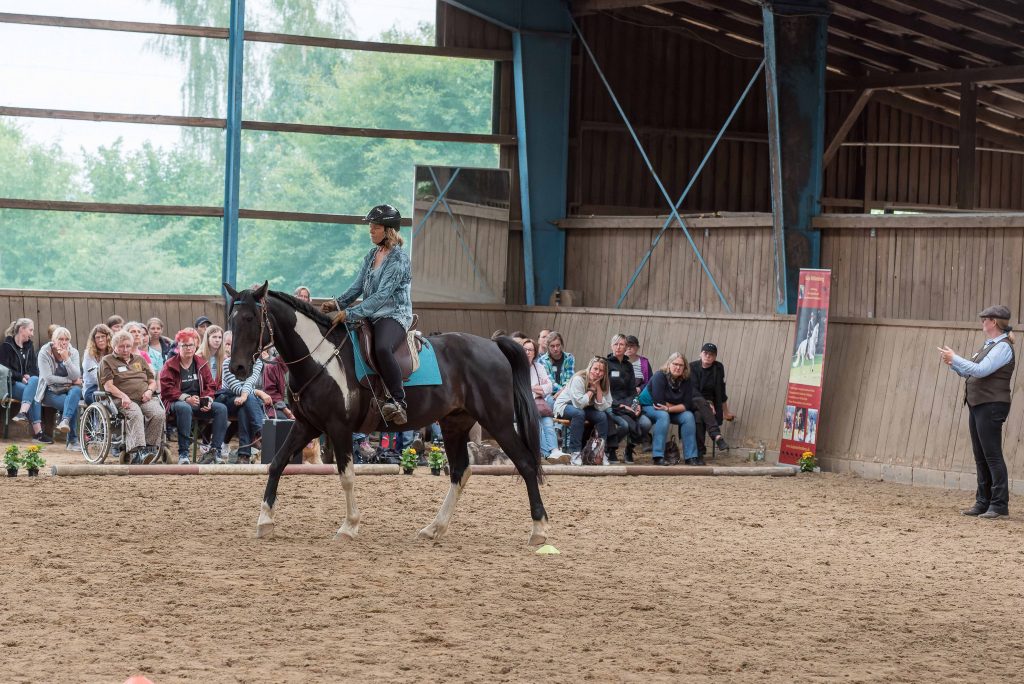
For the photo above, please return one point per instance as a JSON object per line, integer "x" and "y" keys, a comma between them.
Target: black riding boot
{"x": 388, "y": 334}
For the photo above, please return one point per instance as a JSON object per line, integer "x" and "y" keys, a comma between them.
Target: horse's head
{"x": 249, "y": 324}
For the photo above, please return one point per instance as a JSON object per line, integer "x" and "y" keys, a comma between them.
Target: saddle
{"x": 407, "y": 355}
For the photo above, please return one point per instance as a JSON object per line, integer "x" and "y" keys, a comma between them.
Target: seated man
{"x": 130, "y": 381}
{"x": 708, "y": 376}
{"x": 187, "y": 389}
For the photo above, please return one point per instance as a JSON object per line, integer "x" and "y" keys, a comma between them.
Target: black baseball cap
{"x": 710, "y": 348}
{"x": 202, "y": 320}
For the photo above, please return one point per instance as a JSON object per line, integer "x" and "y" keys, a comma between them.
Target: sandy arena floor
{"x": 812, "y": 578}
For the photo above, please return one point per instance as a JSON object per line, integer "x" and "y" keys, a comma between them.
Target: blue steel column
{"x": 542, "y": 60}
{"x": 232, "y": 160}
{"x": 795, "y": 41}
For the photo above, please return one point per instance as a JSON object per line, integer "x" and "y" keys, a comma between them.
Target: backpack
{"x": 593, "y": 451}
{"x": 672, "y": 455}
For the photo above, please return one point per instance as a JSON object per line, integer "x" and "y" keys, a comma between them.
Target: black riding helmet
{"x": 384, "y": 215}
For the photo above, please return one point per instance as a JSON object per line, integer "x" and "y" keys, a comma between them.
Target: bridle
{"x": 267, "y": 328}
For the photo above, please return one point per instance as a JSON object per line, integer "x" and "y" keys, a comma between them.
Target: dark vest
{"x": 994, "y": 387}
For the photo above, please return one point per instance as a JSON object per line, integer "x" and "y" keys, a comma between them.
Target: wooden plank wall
{"x": 472, "y": 269}
{"x": 79, "y": 311}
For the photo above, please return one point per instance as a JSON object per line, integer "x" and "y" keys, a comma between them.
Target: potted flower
{"x": 808, "y": 462}
{"x": 33, "y": 461}
{"x": 436, "y": 460}
{"x": 408, "y": 460}
{"x": 12, "y": 460}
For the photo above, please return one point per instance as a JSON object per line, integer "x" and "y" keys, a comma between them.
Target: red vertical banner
{"x": 806, "y": 362}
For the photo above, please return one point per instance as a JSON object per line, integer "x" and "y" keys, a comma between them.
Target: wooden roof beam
{"x": 953, "y": 39}
{"x": 917, "y": 79}
{"x": 1010, "y": 10}
{"x": 969, "y": 20}
{"x": 581, "y": 7}
{"x": 741, "y": 45}
{"x": 941, "y": 113}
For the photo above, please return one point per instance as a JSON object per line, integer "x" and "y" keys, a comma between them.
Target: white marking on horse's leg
{"x": 350, "y": 528}
{"x": 540, "y": 532}
{"x": 436, "y": 529}
{"x": 265, "y": 524}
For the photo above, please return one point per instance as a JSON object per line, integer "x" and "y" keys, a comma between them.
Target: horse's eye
{"x": 247, "y": 317}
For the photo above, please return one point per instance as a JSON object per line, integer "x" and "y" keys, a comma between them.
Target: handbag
{"x": 543, "y": 409}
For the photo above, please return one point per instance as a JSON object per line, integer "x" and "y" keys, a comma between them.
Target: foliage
{"x": 807, "y": 462}
{"x": 12, "y": 458}
{"x": 408, "y": 459}
{"x": 33, "y": 460}
{"x": 279, "y": 171}
{"x": 436, "y": 458}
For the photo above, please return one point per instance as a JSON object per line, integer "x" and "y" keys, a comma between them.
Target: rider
{"x": 384, "y": 282}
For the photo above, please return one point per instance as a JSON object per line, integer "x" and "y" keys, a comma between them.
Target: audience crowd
{"x": 164, "y": 386}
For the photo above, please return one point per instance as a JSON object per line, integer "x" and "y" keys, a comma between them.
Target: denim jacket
{"x": 386, "y": 291}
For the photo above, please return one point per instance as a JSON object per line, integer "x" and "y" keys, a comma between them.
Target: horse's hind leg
{"x": 455, "y": 430}
{"x": 347, "y": 472}
{"x": 299, "y": 436}
{"x": 527, "y": 466}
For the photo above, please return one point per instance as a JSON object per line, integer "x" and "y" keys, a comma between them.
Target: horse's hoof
{"x": 430, "y": 532}
{"x": 347, "y": 533}
{"x": 538, "y": 539}
{"x": 265, "y": 531}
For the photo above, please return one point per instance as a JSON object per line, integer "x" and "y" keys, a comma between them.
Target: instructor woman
{"x": 988, "y": 375}
{"x": 384, "y": 283}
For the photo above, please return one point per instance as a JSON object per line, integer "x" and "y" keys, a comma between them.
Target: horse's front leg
{"x": 298, "y": 437}
{"x": 341, "y": 440}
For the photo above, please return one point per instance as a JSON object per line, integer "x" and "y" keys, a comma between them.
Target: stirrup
{"x": 393, "y": 413}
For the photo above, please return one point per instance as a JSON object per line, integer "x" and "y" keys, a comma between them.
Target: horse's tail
{"x": 527, "y": 418}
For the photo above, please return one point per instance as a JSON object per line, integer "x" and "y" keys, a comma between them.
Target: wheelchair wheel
{"x": 94, "y": 432}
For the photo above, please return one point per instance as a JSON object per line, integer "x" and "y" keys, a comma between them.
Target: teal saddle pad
{"x": 427, "y": 374}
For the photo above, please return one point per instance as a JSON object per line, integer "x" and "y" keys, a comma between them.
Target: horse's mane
{"x": 304, "y": 307}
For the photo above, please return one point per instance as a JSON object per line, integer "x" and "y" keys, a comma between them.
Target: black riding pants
{"x": 702, "y": 412}
{"x": 986, "y": 423}
{"x": 387, "y": 335}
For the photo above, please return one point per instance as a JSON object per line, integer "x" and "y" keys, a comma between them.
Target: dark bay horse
{"x": 484, "y": 381}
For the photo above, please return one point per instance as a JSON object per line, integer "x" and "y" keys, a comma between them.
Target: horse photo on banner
{"x": 807, "y": 363}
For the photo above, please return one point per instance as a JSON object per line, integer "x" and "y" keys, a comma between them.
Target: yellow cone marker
{"x": 548, "y": 550}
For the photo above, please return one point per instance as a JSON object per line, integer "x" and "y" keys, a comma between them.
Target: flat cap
{"x": 997, "y": 311}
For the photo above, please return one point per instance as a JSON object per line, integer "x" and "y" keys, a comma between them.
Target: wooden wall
{"x": 79, "y": 311}
{"x": 461, "y": 258}
{"x": 890, "y": 409}
{"x": 927, "y": 267}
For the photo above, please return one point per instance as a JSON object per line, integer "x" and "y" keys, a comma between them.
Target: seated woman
{"x": 670, "y": 398}
{"x": 213, "y": 350}
{"x": 541, "y": 384}
{"x": 302, "y": 292}
{"x": 187, "y": 388}
{"x": 160, "y": 348}
{"x": 115, "y": 323}
{"x": 97, "y": 347}
{"x": 130, "y": 381}
{"x": 60, "y": 382}
{"x": 141, "y": 338}
{"x": 627, "y": 420}
{"x": 587, "y": 396}
{"x": 641, "y": 364}
{"x": 18, "y": 354}
{"x": 242, "y": 401}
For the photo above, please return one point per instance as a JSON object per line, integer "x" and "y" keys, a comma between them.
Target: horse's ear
{"x": 232, "y": 292}
{"x": 262, "y": 292}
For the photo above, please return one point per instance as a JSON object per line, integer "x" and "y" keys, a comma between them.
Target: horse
{"x": 807, "y": 349}
{"x": 484, "y": 381}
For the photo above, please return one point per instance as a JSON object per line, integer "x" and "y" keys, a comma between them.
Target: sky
{"x": 59, "y": 68}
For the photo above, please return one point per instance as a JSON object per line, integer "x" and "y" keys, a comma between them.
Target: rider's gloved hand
{"x": 340, "y": 317}
{"x": 329, "y": 306}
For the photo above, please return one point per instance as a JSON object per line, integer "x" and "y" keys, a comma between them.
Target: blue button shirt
{"x": 996, "y": 359}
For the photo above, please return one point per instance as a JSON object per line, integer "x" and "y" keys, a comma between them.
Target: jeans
{"x": 633, "y": 428}
{"x": 577, "y": 417}
{"x": 435, "y": 433}
{"x": 548, "y": 440}
{"x": 90, "y": 394}
{"x": 183, "y": 415}
{"x": 687, "y": 431}
{"x": 67, "y": 404}
{"x": 251, "y": 417}
{"x": 986, "y": 425}
{"x": 27, "y": 392}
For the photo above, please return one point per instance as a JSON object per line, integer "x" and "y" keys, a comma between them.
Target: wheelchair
{"x": 101, "y": 427}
